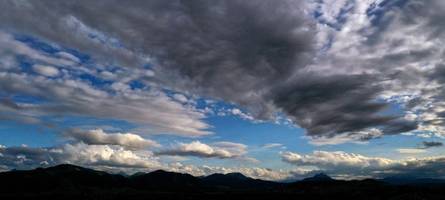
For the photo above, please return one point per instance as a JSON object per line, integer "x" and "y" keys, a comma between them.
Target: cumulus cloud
{"x": 24, "y": 157}
{"x": 222, "y": 150}
{"x": 339, "y": 163}
{"x": 107, "y": 156}
{"x": 117, "y": 159}
{"x": 99, "y": 137}
{"x": 336, "y": 159}
{"x": 254, "y": 172}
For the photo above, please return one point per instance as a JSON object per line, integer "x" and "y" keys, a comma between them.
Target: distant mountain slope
{"x": 61, "y": 177}
{"x": 407, "y": 180}
{"x": 236, "y": 181}
{"x": 74, "y": 182}
{"x": 161, "y": 179}
{"x": 318, "y": 178}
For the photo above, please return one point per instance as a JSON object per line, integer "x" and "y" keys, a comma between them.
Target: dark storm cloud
{"x": 232, "y": 50}
{"x": 247, "y": 52}
{"x": 337, "y": 104}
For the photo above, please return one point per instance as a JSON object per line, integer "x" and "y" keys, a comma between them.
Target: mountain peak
{"x": 229, "y": 176}
{"x": 236, "y": 175}
{"x": 66, "y": 168}
{"x": 160, "y": 171}
{"x": 320, "y": 177}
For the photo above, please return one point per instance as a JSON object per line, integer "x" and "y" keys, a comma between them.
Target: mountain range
{"x": 74, "y": 182}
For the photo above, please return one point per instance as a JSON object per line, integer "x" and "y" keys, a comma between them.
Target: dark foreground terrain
{"x": 73, "y": 182}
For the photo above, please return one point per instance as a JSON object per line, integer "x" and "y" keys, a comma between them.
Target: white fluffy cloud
{"x": 99, "y": 137}
{"x": 222, "y": 150}
{"x": 336, "y": 159}
{"x": 80, "y": 154}
{"x": 105, "y": 155}
{"x": 254, "y": 172}
{"x": 45, "y": 70}
{"x": 339, "y": 163}
{"x": 117, "y": 159}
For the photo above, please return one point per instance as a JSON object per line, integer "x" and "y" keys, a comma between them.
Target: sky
{"x": 277, "y": 90}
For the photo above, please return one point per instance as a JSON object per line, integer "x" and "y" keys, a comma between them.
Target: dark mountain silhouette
{"x": 236, "y": 181}
{"x": 410, "y": 180}
{"x": 59, "y": 177}
{"x": 321, "y": 177}
{"x": 163, "y": 180}
{"x": 74, "y": 182}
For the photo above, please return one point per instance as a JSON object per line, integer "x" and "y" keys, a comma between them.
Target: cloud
{"x": 45, "y": 70}
{"x": 222, "y": 150}
{"x": 99, "y": 137}
{"x": 351, "y": 62}
{"x": 107, "y": 156}
{"x": 339, "y": 163}
{"x": 254, "y": 172}
{"x": 426, "y": 144}
{"x": 75, "y": 97}
{"x": 215, "y": 48}
{"x": 12, "y": 47}
{"x": 359, "y": 137}
{"x": 395, "y": 41}
{"x": 411, "y": 151}
{"x": 180, "y": 98}
{"x": 348, "y": 106}
{"x": 68, "y": 94}
{"x": 117, "y": 159}
{"x": 241, "y": 114}
{"x": 80, "y": 154}
{"x": 338, "y": 160}
{"x": 272, "y": 145}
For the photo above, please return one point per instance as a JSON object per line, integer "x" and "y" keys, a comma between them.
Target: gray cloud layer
{"x": 396, "y": 41}
{"x": 65, "y": 93}
{"x": 252, "y": 53}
